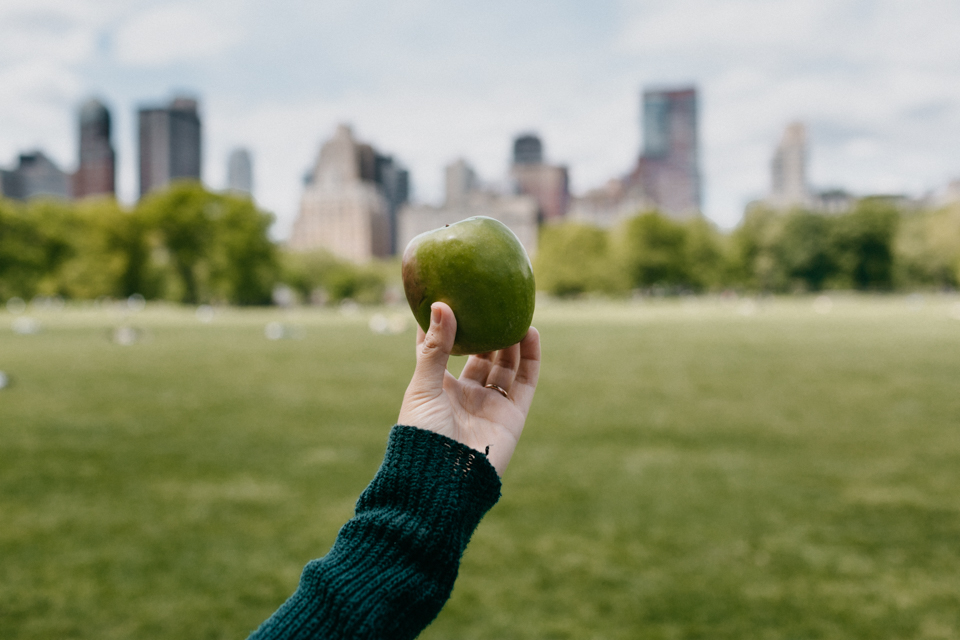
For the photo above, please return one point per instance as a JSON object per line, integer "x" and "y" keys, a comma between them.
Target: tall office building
{"x": 169, "y": 144}
{"x": 394, "y": 182}
{"x": 240, "y": 172}
{"x": 527, "y": 149}
{"x": 343, "y": 209}
{"x": 548, "y": 184}
{"x": 96, "y": 169}
{"x": 788, "y": 169}
{"x": 669, "y": 168}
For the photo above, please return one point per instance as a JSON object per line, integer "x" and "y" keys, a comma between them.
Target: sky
{"x": 877, "y": 83}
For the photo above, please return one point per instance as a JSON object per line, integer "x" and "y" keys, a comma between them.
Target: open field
{"x": 692, "y": 468}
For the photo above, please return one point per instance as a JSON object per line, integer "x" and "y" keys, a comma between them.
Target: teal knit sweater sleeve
{"x": 393, "y": 565}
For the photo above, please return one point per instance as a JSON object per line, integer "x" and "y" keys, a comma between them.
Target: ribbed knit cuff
{"x": 447, "y": 483}
{"x": 394, "y": 563}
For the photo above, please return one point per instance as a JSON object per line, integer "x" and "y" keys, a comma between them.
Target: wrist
{"x": 424, "y": 470}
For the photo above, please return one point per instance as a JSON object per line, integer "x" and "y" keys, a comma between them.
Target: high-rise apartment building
{"x": 170, "y": 146}
{"x": 240, "y": 172}
{"x": 96, "y": 169}
{"x": 548, "y": 184}
{"x": 669, "y": 167}
{"x": 788, "y": 169}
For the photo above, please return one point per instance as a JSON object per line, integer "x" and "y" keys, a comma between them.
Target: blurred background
{"x": 744, "y": 220}
{"x": 873, "y": 81}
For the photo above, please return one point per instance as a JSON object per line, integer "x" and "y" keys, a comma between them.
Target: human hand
{"x": 464, "y": 409}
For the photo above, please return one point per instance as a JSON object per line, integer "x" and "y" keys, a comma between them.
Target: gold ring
{"x": 497, "y": 388}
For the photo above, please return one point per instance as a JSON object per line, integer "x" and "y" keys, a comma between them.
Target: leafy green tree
{"x": 862, "y": 244}
{"x": 180, "y": 221}
{"x": 336, "y": 279}
{"x": 22, "y": 259}
{"x": 186, "y": 243}
{"x": 575, "y": 258}
{"x": 246, "y": 263}
{"x": 360, "y": 283}
{"x": 109, "y": 253}
{"x": 927, "y": 249}
{"x": 655, "y": 251}
{"x": 749, "y": 245}
{"x": 705, "y": 259}
{"x": 804, "y": 250}
{"x": 307, "y": 272}
{"x": 35, "y": 240}
{"x": 210, "y": 246}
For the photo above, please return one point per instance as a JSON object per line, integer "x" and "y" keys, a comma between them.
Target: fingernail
{"x": 435, "y": 315}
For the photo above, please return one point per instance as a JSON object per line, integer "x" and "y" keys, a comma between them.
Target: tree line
{"x": 876, "y": 246}
{"x": 184, "y": 244}
{"x": 188, "y": 244}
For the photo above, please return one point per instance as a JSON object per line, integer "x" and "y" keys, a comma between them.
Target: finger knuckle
{"x": 431, "y": 343}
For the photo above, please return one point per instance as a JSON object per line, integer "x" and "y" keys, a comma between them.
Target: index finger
{"x": 525, "y": 382}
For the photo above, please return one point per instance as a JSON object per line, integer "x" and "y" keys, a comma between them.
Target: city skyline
{"x": 876, "y": 84}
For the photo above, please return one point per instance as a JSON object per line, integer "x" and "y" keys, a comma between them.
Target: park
{"x": 692, "y": 467}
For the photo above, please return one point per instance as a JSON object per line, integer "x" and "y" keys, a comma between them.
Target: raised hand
{"x": 468, "y": 410}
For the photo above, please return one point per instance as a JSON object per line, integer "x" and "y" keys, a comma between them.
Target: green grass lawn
{"x": 691, "y": 469}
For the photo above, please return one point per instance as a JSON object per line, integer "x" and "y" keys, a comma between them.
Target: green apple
{"x": 479, "y": 268}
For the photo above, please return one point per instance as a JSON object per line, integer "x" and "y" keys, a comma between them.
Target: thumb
{"x": 434, "y": 351}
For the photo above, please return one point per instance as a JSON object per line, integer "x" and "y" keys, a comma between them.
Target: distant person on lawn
{"x": 394, "y": 563}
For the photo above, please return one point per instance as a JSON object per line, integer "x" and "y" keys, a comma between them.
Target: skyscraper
{"x": 96, "y": 169}
{"x": 527, "y": 149}
{"x": 788, "y": 169}
{"x": 669, "y": 167}
{"x": 342, "y": 209}
{"x": 240, "y": 172}
{"x": 548, "y": 184}
{"x": 169, "y": 144}
{"x": 394, "y": 182}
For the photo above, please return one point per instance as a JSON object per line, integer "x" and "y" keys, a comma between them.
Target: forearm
{"x": 393, "y": 565}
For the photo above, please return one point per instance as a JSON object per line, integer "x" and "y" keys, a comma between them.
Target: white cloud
{"x": 877, "y": 83}
{"x": 730, "y": 26}
{"x": 49, "y": 89}
{"x": 43, "y": 46}
{"x": 166, "y": 34}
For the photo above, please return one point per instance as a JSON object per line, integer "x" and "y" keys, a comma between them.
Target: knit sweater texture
{"x": 393, "y": 565}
